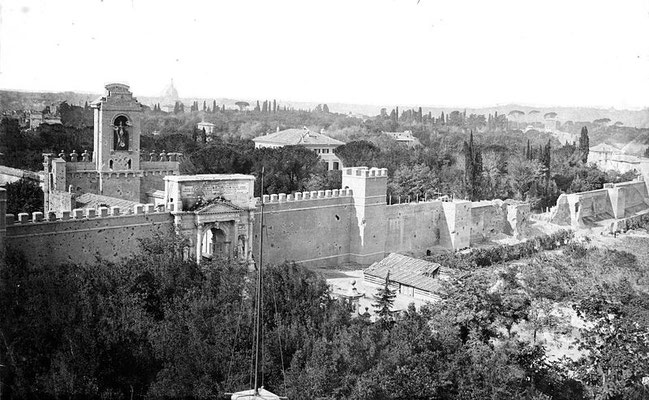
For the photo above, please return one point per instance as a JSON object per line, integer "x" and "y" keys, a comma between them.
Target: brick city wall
{"x": 414, "y": 228}
{"x": 324, "y": 228}
{"x": 84, "y": 235}
{"x": 614, "y": 201}
{"x": 309, "y": 227}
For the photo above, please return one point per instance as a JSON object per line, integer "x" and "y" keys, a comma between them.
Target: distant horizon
{"x": 454, "y": 107}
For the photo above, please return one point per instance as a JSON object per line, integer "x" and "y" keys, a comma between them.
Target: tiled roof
{"x": 91, "y": 200}
{"x": 407, "y": 271}
{"x": 302, "y": 136}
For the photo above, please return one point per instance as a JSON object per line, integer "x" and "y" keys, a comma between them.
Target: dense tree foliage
{"x": 456, "y": 154}
{"x": 24, "y": 196}
{"x": 158, "y": 326}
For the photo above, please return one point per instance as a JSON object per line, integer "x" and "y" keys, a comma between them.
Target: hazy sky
{"x": 385, "y": 52}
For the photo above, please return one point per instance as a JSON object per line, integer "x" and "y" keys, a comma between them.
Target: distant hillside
{"x": 16, "y": 100}
{"x": 11, "y": 100}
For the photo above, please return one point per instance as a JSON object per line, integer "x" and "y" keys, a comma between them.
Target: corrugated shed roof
{"x": 91, "y": 200}
{"x": 407, "y": 271}
{"x": 302, "y": 136}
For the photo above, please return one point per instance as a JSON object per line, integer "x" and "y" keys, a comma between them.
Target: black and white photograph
{"x": 331, "y": 200}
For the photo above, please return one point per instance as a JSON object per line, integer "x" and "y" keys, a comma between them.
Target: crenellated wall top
{"x": 86, "y": 214}
{"x": 366, "y": 172}
{"x": 302, "y": 196}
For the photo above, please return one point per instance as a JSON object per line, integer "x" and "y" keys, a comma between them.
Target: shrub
{"x": 486, "y": 256}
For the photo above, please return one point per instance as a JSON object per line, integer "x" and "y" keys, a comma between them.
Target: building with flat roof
{"x": 318, "y": 142}
{"x": 208, "y": 127}
{"x": 404, "y": 137}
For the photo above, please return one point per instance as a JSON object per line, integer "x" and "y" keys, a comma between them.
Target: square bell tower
{"x": 117, "y": 130}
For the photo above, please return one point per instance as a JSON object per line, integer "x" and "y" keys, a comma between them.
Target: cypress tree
{"x": 584, "y": 145}
{"x": 214, "y": 106}
{"x": 472, "y": 169}
{"x": 546, "y": 160}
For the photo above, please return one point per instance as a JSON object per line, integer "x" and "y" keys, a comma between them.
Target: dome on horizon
{"x": 170, "y": 93}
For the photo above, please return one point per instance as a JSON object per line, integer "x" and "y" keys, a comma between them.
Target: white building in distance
{"x": 322, "y": 145}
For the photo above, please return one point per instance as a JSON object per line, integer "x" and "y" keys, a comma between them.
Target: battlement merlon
{"x": 365, "y": 172}
{"x": 84, "y": 161}
{"x": 83, "y": 214}
{"x": 303, "y": 196}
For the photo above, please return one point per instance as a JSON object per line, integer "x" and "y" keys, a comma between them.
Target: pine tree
{"x": 384, "y": 299}
{"x": 584, "y": 145}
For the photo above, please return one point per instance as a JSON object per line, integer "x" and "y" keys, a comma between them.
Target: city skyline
{"x": 428, "y": 53}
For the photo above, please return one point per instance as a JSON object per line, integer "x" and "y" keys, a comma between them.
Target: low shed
{"x": 408, "y": 276}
